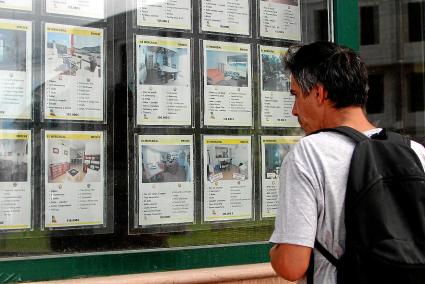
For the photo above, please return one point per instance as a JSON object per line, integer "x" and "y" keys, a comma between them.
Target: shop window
{"x": 416, "y": 20}
{"x": 375, "y": 102}
{"x": 416, "y": 92}
{"x": 321, "y": 20}
{"x": 369, "y": 25}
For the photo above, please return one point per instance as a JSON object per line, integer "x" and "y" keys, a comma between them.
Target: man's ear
{"x": 320, "y": 93}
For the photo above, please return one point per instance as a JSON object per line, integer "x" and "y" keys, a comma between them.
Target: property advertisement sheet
{"x": 227, "y": 178}
{"x": 280, "y": 19}
{"x": 276, "y": 100}
{"x": 15, "y": 69}
{"x": 166, "y": 187}
{"x": 170, "y": 14}
{"x": 226, "y": 16}
{"x": 15, "y": 179}
{"x": 82, "y": 8}
{"x": 273, "y": 150}
{"x": 227, "y": 84}
{"x": 163, "y": 81}
{"x": 74, "y": 76}
{"x": 24, "y": 5}
{"x": 74, "y": 175}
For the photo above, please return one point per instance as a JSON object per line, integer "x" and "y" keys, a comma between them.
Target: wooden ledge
{"x": 204, "y": 275}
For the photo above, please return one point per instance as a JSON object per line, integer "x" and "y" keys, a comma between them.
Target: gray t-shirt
{"x": 313, "y": 179}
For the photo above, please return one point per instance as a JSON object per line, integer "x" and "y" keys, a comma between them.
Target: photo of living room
{"x": 13, "y": 160}
{"x": 227, "y": 68}
{"x": 73, "y": 161}
{"x": 227, "y": 160}
{"x": 273, "y": 155}
{"x": 166, "y": 163}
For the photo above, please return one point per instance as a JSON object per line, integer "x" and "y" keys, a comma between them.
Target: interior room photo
{"x": 73, "y": 161}
{"x": 13, "y": 160}
{"x": 166, "y": 163}
{"x": 227, "y": 160}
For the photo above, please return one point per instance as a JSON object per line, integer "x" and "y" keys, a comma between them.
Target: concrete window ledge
{"x": 240, "y": 274}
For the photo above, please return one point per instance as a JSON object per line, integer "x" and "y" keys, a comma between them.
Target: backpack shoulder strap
{"x": 347, "y": 131}
{"x": 332, "y": 259}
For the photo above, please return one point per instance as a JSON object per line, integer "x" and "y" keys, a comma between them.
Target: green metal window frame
{"x": 346, "y": 32}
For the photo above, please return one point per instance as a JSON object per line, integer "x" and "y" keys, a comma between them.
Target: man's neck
{"x": 353, "y": 117}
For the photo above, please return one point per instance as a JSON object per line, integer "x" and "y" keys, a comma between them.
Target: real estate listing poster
{"x": 166, "y": 187}
{"x": 226, "y": 16}
{"x": 74, "y": 76}
{"x": 170, "y": 14}
{"x": 276, "y": 99}
{"x": 280, "y": 19}
{"x": 164, "y": 90}
{"x": 24, "y": 5}
{"x": 82, "y": 8}
{"x": 74, "y": 178}
{"x": 15, "y": 69}
{"x": 227, "y": 178}
{"x": 15, "y": 179}
{"x": 273, "y": 151}
{"x": 227, "y": 84}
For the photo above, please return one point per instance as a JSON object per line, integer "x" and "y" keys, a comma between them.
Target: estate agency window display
{"x": 50, "y": 51}
{"x": 205, "y": 81}
{"x": 202, "y": 89}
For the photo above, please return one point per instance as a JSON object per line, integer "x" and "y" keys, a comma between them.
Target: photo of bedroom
{"x": 13, "y": 50}
{"x": 228, "y": 161}
{"x": 273, "y": 77}
{"x": 13, "y": 160}
{"x": 166, "y": 163}
{"x": 163, "y": 66}
{"x": 227, "y": 68}
{"x": 273, "y": 155}
{"x": 74, "y": 55}
{"x": 73, "y": 161}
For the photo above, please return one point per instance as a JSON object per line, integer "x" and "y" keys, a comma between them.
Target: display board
{"x": 16, "y": 69}
{"x": 74, "y": 77}
{"x": 16, "y": 206}
{"x": 227, "y": 84}
{"x": 166, "y": 187}
{"x": 273, "y": 151}
{"x": 82, "y": 8}
{"x": 74, "y": 178}
{"x": 23, "y": 5}
{"x": 163, "y": 73}
{"x": 226, "y": 16}
{"x": 164, "y": 14}
{"x": 227, "y": 178}
{"x": 276, "y": 99}
{"x": 206, "y": 73}
{"x": 280, "y": 19}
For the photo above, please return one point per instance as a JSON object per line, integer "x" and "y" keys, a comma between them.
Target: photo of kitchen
{"x": 159, "y": 65}
{"x": 13, "y": 160}
{"x": 166, "y": 163}
{"x": 73, "y": 161}
{"x": 228, "y": 160}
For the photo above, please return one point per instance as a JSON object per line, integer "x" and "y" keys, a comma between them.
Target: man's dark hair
{"x": 339, "y": 69}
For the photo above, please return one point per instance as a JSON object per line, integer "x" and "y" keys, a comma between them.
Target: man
{"x": 330, "y": 87}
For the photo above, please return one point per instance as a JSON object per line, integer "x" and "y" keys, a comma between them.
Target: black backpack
{"x": 384, "y": 213}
